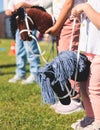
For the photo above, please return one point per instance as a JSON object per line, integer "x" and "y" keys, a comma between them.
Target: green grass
{"x": 20, "y": 105}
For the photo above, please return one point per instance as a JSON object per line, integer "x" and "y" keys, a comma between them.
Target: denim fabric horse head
{"x": 54, "y": 76}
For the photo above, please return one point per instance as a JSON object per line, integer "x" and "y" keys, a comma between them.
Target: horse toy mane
{"x": 37, "y": 18}
{"x": 54, "y": 77}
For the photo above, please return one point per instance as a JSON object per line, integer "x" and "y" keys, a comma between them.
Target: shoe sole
{"x": 59, "y": 112}
{"x": 12, "y": 81}
{"x": 25, "y": 83}
{"x": 74, "y": 124}
{"x": 16, "y": 81}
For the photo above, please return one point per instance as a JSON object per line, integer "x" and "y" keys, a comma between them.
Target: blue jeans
{"x": 23, "y": 54}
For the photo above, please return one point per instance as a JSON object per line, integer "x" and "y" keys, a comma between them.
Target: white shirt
{"x": 58, "y": 4}
{"x": 89, "y": 34}
{"x": 43, "y": 3}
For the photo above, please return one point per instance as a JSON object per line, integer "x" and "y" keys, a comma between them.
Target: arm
{"x": 23, "y": 4}
{"x": 62, "y": 18}
{"x": 8, "y": 12}
{"x": 10, "y": 8}
{"x": 43, "y": 3}
{"x": 90, "y": 13}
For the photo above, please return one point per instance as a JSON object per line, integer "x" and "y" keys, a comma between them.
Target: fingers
{"x": 47, "y": 32}
{"x": 77, "y": 10}
{"x": 74, "y": 12}
{"x": 17, "y": 6}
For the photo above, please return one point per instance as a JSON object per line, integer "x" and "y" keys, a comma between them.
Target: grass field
{"x": 20, "y": 105}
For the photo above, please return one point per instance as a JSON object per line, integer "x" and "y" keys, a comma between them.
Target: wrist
{"x": 85, "y": 7}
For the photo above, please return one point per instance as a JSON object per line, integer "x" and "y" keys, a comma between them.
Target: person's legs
{"x": 91, "y": 93}
{"x": 91, "y": 97}
{"x": 20, "y": 60}
{"x": 33, "y": 59}
{"x": 63, "y": 43}
{"x": 94, "y": 88}
{"x": 86, "y": 100}
{"x": 32, "y": 55}
{"x": 89, "y": 118}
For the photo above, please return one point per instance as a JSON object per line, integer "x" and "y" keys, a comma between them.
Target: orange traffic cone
{"x": 12, "y": 49}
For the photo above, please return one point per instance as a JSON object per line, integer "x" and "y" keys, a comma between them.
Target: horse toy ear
{"x": 13, "y": 25}
{"x": 16, "y": 19}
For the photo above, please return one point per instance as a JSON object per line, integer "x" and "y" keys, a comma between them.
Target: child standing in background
{"x": 22, "y": 52}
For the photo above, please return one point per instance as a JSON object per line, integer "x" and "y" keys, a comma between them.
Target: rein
{"x": 70, "y": 92}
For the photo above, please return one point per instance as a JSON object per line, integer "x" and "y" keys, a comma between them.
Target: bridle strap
{"x": 68, "y": 94}
{"x": 25, "y": 30}
{"x": 32, "y": 36}
{"x": 30, "y": 19}
{"x": 27, "y": 25}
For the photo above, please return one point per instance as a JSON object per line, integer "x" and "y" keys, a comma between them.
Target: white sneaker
{"x": 55, "y": 105}
{"x": 74, "y": 106}
{"x": 83, "y": 123}
{"x": 15, "y": 79}
{"x": 93, "y": 126}
{"x": 96, "y": 126}
{"x": 29, "y": 80}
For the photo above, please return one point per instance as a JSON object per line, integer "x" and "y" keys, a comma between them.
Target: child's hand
{"x": 77, "y": 10}
{"x": 20, "y": 4}
{"x": 50, "y": 30}
{"x": 53, "y": 30}
{"x": 8, "y": 12}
